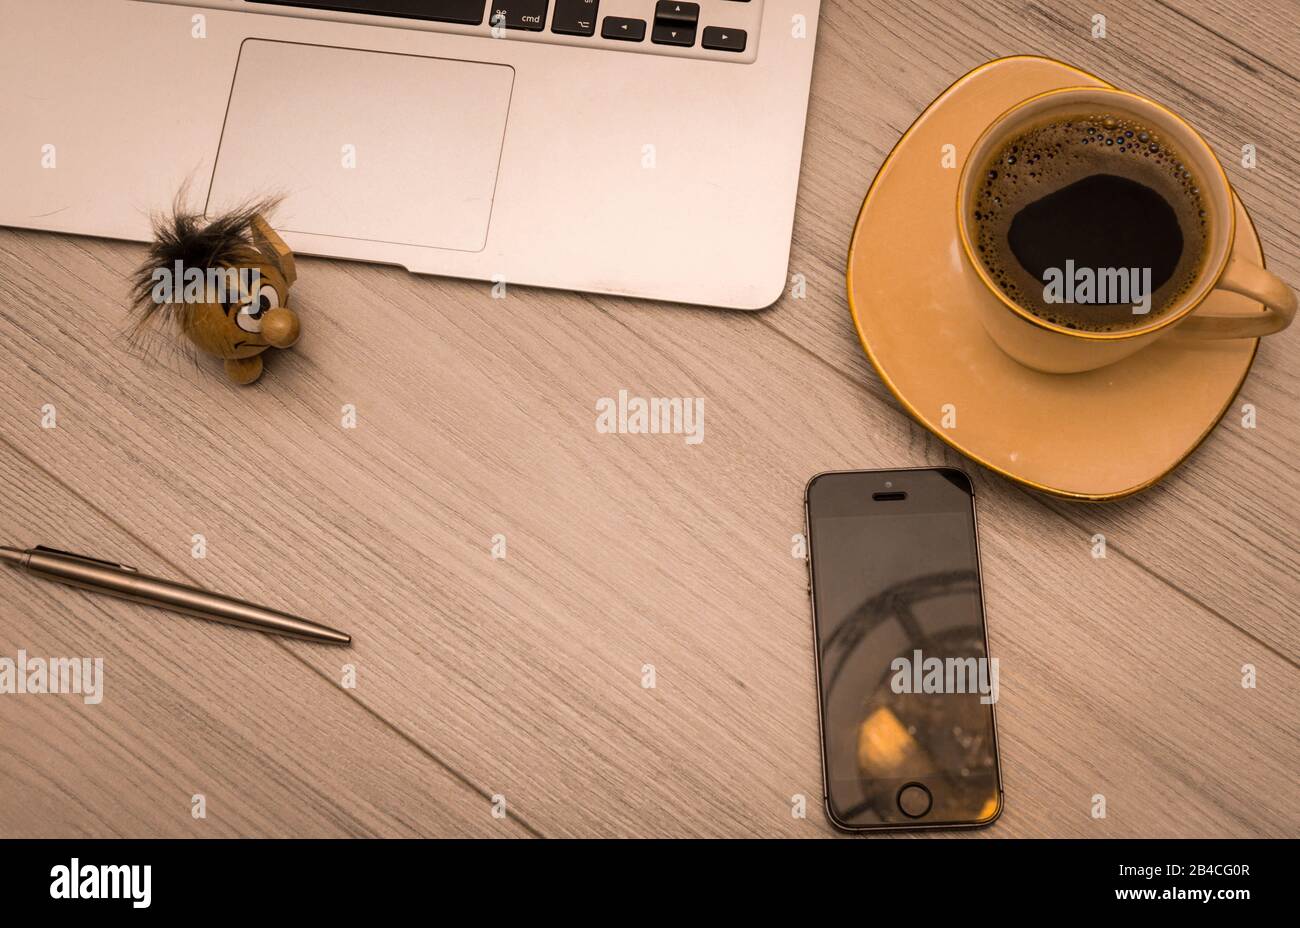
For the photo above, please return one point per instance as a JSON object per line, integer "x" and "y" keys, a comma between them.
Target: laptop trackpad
{"x": 365, "y": 145}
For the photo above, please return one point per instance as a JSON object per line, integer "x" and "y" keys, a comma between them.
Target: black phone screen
{"x": 906, "y": 686}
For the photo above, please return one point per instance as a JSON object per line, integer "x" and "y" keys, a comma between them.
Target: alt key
{"x": 575, "y": 17}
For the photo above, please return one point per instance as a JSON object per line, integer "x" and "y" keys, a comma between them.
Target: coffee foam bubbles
{"x": 1052, "y": 155}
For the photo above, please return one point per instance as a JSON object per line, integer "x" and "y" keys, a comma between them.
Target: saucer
{"x": 1098, "y": 435}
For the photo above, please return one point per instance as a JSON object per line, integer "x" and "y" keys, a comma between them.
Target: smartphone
{"x": 906, "y": 688}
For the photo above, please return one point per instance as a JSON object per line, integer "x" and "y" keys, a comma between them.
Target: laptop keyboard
{"x": 719, "y": 29}
{"x": 468, "y": 12}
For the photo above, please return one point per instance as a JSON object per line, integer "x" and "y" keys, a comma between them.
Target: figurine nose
{"x": 280, "y": 327}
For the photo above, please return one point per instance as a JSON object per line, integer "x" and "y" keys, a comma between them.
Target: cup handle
{"x": 1250, "y": 280}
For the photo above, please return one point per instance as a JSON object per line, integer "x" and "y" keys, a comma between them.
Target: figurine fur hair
{"x": 196, "y": 241}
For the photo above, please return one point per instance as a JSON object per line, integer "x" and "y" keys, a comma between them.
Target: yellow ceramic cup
{"x": 1044, "y": 346}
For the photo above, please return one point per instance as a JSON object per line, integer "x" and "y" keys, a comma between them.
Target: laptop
{"x": 645, "y": 148}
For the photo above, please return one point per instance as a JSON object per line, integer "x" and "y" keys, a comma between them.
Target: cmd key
{"x": 518, "y": 14}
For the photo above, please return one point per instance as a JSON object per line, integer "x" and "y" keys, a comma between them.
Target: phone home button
{"x": 914, "y": 800}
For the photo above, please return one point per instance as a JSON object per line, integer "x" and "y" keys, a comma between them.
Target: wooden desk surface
{"x": 522, "y": 677}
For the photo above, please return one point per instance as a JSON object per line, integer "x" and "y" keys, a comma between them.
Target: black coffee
{"x": 1087, "y": 218}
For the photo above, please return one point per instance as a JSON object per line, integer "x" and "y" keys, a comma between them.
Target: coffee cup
{"x": 1141, "y": 154}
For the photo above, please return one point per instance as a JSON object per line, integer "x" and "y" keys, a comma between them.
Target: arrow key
{"x": 625, "y": 30}
{"x": 723, "y": 40}
{"x": 673, "y": 34}
{"x": 671, "y": 11}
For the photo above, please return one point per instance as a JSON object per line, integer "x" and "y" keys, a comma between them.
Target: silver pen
{"x": 125, "y": 582}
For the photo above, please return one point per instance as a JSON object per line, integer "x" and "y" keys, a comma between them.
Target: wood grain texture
{"x": 192, "y": 709}
{"x": 1232, "y": 104}
{"x": 522, "y": 677}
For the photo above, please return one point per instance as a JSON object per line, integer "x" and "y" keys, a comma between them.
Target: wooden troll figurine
{"x": 223, "y": 283}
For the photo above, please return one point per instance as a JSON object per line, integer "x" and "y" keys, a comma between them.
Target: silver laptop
{"x": 636, "y": 147}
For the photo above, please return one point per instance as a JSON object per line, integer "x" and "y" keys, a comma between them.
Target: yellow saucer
{"x": 1099, "y": 435}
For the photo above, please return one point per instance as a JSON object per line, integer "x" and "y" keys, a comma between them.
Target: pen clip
{"x": 82, "y": 557}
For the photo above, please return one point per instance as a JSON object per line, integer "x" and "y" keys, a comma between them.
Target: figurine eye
{"x": 250, "y": 315}
{"x": 267, "y": 299}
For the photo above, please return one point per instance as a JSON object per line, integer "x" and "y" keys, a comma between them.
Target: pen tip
{"x": 12, "y": 555}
